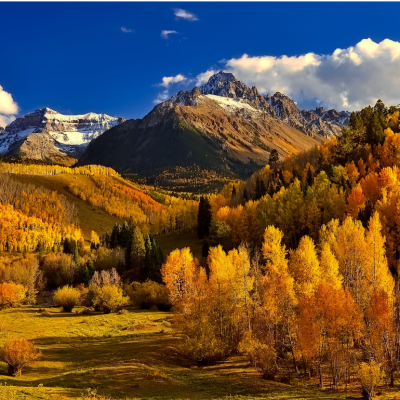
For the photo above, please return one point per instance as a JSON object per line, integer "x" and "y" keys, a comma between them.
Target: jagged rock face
{"x": 70, "y": 134}
{"x": 313, "y": 122}
{"x": 318, "y": 122}
{"x": 224, "y": 84}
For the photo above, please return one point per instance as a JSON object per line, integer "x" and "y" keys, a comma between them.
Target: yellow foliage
{"x": 18, "y": 354}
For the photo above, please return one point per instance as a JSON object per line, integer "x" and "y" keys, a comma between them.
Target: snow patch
{"x": 231, "y": 104}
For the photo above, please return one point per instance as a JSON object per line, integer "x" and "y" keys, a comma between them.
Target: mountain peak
{"x": 222, "y": 84}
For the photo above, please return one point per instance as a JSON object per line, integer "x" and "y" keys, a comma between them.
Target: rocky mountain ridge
{"x": 48, "y": 135}
{"x": 313, "y": 122}
{"x": 219, "y": 130}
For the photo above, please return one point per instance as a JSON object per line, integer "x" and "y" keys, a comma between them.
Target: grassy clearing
{"x": 130, "y": 356}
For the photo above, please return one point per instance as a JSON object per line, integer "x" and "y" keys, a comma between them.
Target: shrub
{"x": 149, "y": 294}
{"x": 92, "y": 395}
{"x": 109, "y": 298}
{"x": 99, "y": 280}
{"x": 262, "y": 355}
{"x": 11, "y": 294}
{"x": 18, "y": 353}
{"x": 59, "y": 269}
{"x": 66, "y": 297}
{"x": 107, "y": 259}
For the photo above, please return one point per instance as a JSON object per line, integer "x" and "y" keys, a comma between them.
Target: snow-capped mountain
{"x": 313, "y": 122}
{"x": 56, "y": 134}
{"x": 222, "y": 129}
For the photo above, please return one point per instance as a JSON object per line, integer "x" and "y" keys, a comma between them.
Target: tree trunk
{"x": 321, "y": 383}
{"x": 11, "y": 370}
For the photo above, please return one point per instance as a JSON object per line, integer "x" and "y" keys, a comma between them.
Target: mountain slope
{"x": 50, "y": 136}
{"x": 198, "y": 136}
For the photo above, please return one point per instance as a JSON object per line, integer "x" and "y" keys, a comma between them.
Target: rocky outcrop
{"x": 64, "y": 137}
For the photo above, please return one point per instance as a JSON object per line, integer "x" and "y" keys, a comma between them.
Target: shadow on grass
{"x": 123, "y": 366}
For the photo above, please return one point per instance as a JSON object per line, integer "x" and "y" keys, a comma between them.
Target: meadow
{"x": 133, "y": 355}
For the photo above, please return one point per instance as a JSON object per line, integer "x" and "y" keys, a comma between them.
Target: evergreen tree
{"x": 69, "y": 246}
{"x": 125, "y": 235}
{"x": 115, "y": 236}
{"x": 245, "y": 195}
{"x": 273, "y": 159}
{"x": 66, "y": 246}
{"x": 310, "y": 179}
{"x": 148, "y": 261}
{"x": 260, "y": 190}
{"x": 135, "y": 254}
{"x": 233, "y": 192}
{"x": 154, "y": 259}
{"x": 77, "y": 258}
{"x": 204, "y": 218}
{"x": 375, "y": 134}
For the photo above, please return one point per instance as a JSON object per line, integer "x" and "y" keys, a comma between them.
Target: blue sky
{"x": 75, "y": 58}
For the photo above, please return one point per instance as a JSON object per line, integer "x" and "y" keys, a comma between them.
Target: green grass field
{"x": 130, "y": 356}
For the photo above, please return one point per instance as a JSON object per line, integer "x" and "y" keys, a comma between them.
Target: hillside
{"x": 99, "y": 198}
{"x": 204, "y": 135}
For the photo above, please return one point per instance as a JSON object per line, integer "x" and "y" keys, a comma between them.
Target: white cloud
{"x": 169, "y": 80}
{"x": 204, "y": 76}
{"x": 126, "y": 30}
{"x": 164, "y": 34}
{"x": 8, "y": 107}
{"x": 183, "y": 14}
{"x": 347, "y": 79}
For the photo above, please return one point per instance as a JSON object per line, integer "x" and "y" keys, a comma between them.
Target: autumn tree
{"x": 370, "y": 375}
{"x": 18, "y": 354}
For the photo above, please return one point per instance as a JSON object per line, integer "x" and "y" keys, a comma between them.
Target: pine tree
{"x": 204, "y": 218}
{"x": 135, "y": 254}
{"x": 273, "y": 159}
{"x": 260, "y": 189}
{"x": 245, "y": 196}
{"x": 375, "y": 134}
{"x": 125, "y": 235}
{"x": 153, "y": 260}
{"x": 115, "y": 236}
